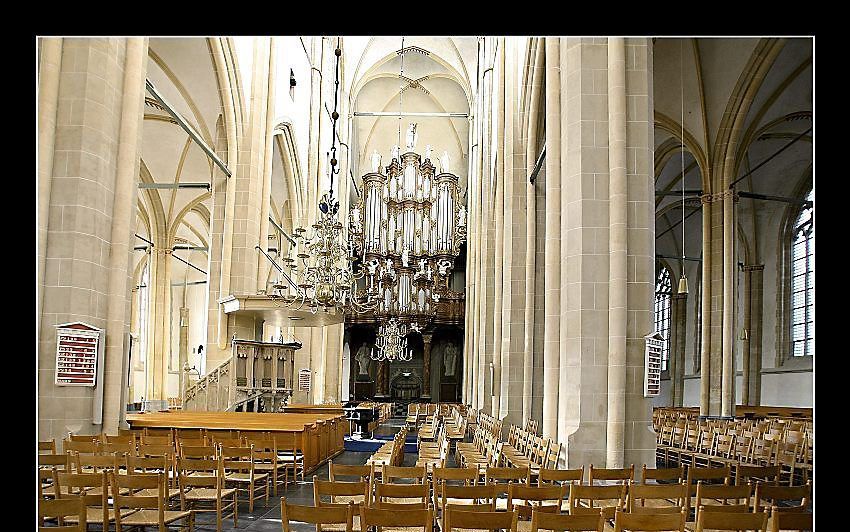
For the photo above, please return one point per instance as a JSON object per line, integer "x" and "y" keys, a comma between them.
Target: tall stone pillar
{"x": 426, "y": 366}
{"x": 751, "y": 345}
{"x": 677, "y": 348}
{"x": 708, "y": 304}
{"x": 92, "y": 91}
{"x": 586, "y": 306}
{"x": 159, "y": 322}
{"x": 552, "y": 251}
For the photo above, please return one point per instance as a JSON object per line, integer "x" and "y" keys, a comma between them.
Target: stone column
{"x": 48, "y": 93}
{"x": 532, "y": 149}
{"x": 618, "y": 251}
{"x": 727, "y": 394}
{"x": 552, "y": 275}
{"x": 426, "y": 366}
{"x": 183, "y": 344}
{"x": 752, "y": 344}
{"x": 755, "y": 333}
{"x": 706, "y": 302}
{"x": 586, "y": 306}
{"x": 159, "y": 321}
{"x": 677, "y": 348}
{"x": 89, "y": 146}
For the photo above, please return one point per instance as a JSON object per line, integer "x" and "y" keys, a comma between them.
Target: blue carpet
{"x": 373, "y": 445}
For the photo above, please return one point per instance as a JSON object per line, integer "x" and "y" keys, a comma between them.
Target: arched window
{"x": 803, "y": 283}
{"x": 663, "y": 291}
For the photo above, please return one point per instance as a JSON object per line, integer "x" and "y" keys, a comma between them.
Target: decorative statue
{"x": 450, "y": 359}
{"x": 372, "y": 266}
{"x": 405, "y": 257}
{"x": 389, "y": 266}
{"x": 428, "y": 152}
{"x": 363, "y": 360}
{"x": 411, "y": 136}
{"x": 422, "y": 263}
{"x": 376, "y": 161}
{"x": 444, "y": 162}
{"x": 461, "y": 216}
{"x": 395, "y": 152}
{"x": 443, "y": 267}
{"x": 355, "y": 225}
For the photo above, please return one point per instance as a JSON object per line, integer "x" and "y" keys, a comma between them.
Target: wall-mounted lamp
{"x": 745, "y": 335}
{"x": 292, "y": 81}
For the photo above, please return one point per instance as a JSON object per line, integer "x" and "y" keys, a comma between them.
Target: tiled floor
{"x": 266, "y": 516}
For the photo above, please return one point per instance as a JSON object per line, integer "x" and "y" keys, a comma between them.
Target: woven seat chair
{"x": 147, "y": 510}
{"x": 650, "y": 522}
{"x": 326, "y": 517}
{"x": 60, "y": 510}
{"x": 573, "y": 523}
{"x": 206, "y": 493}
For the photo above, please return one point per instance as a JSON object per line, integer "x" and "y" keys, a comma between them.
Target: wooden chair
{"x": 239, "y": 472}
{"x": 48, "y": 466}
{"x": 353, "y": 472}
{"x": 291, "y": 454}
{"x": 207, "y": 452}
{"x": 696, "y": 474}
{"x": 95, "y": 463}
{"x": 619, "y": 476}
{"x": 337, "y": 516}
{"x": 730, "y": 521}
{"x": 560, "y": 476}
{"x": 553, "y": 521}
{"x": 266, "y": 461}
{"x": 147, "y": 510}
{"x": 548, "y": 498}
{"x": 580, "y": 493}
{"x": 766, "y": 474}
{"x": 82, "y": 447}
{"x": 390, "y": 473}
{"x": 791, "y": 520}
{"x": 60, "y": 509}
{"x": 660, "y": 496}
{"x": 92, "y": 489}
{"x": 413, "y": 518}
{"x": 740, "y": 494}
{"x": 668, "y": 474}
{"x": 402, "y": 496}
{"x": 650, "y": 522}
{"x": 337, "y": 491}
{"x": 206, "y": 493}
{"x": 441, "y": 476}
{"x": 155, "y": 464}
{"x": 455, "y": 518}
{"x": 48, "y": 446}
{"x": 774, "y": 494}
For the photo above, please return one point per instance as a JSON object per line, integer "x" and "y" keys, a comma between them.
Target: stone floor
{"x": 266, "y": 516}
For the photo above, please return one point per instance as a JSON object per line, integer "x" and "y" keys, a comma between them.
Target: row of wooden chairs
{"x": 693, "y": 446}
{"x": 580, "y": 499}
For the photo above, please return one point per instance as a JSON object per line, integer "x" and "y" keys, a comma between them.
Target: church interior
{"x": 353, "y": 282}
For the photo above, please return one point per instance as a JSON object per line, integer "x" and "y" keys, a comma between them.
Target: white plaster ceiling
{"x": 182, "y": 71}
{"x": 780, "y": 111}
{"x": 436, "y": 79}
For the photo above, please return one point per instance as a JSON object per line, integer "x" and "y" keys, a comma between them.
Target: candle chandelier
{"x": 323, "y": 275}
{"x": 391, "y": 342}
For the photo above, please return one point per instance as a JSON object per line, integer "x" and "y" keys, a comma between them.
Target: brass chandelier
{"x": 322, "y": 274}
{"x": 391, "y": 342}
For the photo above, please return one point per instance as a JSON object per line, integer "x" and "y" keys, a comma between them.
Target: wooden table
{"x": 318, "y": 435}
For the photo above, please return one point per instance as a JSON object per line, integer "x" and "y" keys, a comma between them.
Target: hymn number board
{"x": 77, "y": 349}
